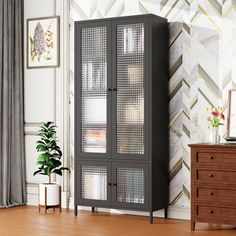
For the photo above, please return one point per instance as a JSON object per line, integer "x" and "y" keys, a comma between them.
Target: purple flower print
{"x": 39, "y": 41}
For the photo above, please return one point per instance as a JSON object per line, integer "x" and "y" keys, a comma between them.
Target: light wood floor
{"x": 24, "y": 221}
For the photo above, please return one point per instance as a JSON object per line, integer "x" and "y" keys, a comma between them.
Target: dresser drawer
{"x": 216, "y": 214}
{"x": 215, "y": 176}
{"x": 216, "y": 158}
{"x": 213, "y": 184}
{"x": 218, "y": 196}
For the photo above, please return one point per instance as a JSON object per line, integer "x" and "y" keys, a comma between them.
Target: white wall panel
{"x": 31, "y": 157}
{"x": 44, "y": 96}
{"x": 39, "y": 95}
{"x": 38, "y": 8}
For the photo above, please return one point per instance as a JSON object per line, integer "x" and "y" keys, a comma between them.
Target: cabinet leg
{"x": 151, "y": 217}
{"x": 193, "y": 225}
{"x": 75, "y": 210}
{"x": 166, "y": 212}
{"x": 92, "y": 209}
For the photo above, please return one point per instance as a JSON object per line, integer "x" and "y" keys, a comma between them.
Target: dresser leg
{"x": 193, "y": 225}
{"x": 92, "y": 209}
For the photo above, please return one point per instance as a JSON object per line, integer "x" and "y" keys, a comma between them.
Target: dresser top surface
{"x": 210, "y": 145}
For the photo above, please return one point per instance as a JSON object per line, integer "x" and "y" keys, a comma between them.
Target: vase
{"x": 215, "y": 137}
{"x": 49, "y": 194}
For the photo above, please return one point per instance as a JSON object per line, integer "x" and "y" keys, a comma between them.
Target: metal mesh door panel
{"x": 94, "y": 90}
{"x": 130, "y": 89}
{"x": 130, "y": 185}
{"x": 94, "y": 182}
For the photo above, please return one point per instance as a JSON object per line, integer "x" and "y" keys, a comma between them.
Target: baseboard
{"x": 32, "y": 194}
{"x": 32, "y": 199}
{"x": 173, "y": 212}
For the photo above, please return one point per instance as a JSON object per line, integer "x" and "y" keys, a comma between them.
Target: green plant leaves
{"x": 58, "y": 171}
{"x": 36, "y": 172}
{"x": 41, "y": 148}
{"x": 55, "y": 163}
{"x": 50, "y": 153}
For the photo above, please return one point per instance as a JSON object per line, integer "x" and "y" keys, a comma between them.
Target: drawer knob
{"x": 211, "y": 211}
{"x": 211, "y": 193}
{"x": 211, "y": 175}
{"x": 210, "y": 157}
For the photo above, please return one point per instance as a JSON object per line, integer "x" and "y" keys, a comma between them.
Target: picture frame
{"x": 231, "y": 121}
{"x": 43, "y": 42}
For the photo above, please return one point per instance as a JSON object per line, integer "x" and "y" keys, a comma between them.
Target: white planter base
{"x": 49, "y": 196}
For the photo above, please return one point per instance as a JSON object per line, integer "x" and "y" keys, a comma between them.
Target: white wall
{"x": 46, "y": 97}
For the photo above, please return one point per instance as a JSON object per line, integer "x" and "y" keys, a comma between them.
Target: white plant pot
{"x": 53, "y": 194}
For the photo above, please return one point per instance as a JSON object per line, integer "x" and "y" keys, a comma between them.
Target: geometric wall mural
{"x": 202, "y": 51}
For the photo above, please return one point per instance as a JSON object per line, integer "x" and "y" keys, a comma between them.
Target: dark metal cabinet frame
{"x": 155, "y": 158}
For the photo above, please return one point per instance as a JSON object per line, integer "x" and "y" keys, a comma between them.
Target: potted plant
{"x": 49, "y": 162}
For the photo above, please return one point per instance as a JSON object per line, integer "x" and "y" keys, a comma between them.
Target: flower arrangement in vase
{"x": 215, "y": 119}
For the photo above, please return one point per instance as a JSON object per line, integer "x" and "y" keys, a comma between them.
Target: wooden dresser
{"x": 213, "y": 184}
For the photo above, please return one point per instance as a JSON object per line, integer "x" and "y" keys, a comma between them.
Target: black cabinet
{"x": 121, "y": 113}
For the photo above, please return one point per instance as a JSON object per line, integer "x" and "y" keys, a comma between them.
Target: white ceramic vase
{"x": 52, "y": 196}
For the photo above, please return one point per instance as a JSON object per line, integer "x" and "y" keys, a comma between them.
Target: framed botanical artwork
{"x": 43, "y": 42}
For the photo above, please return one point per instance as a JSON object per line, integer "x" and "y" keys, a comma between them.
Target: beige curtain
{"x": 12, "y": 157}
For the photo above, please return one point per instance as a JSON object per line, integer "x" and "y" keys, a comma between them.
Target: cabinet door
{"x": 92, "y": 98}
{"x": 130, "y": 186}
{"x": 130, "y": 88}
{"x": 94, "y": 183}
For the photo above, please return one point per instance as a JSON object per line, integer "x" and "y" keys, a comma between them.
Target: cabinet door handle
{"x": 211, "y": 175}
{"x": 114, "y": 184}
{"x": 210, "y": 157}
{"x": 114, "y": 89}
{"x": 211, "y": 193}
{"x": 108, "y": 89}
{"x": 109, "y": 184}
{"x": 211, "y": 211}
